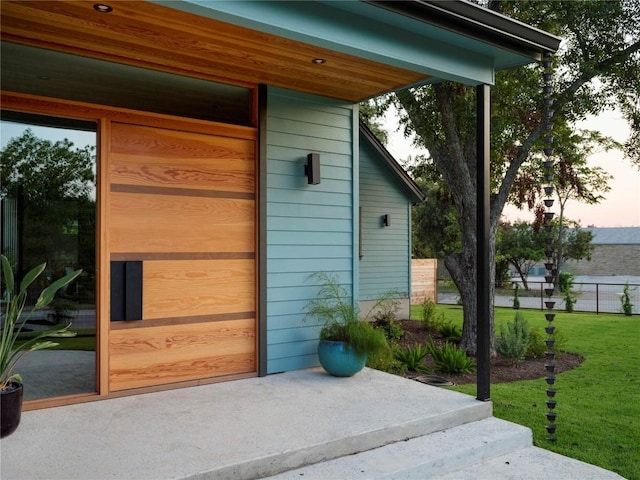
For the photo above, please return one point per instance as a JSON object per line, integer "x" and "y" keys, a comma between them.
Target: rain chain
{"x": 551, "y": 270}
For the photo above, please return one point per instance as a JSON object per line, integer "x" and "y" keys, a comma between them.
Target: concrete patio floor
{"x": 368, "y": 426}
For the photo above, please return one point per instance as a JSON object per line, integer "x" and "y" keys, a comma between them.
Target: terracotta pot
{"x": 10, "y": 408}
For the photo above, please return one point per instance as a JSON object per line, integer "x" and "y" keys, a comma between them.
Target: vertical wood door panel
{"x": 183, "y": 203}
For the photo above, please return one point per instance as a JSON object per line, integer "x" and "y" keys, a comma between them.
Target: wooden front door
{"x": 182, "y": 206}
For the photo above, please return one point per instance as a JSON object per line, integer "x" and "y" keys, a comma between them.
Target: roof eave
{"x": 412, "y": 186}
{"x": 474, "y": 21}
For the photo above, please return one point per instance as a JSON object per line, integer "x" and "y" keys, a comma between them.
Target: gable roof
{"x": 417, "y": 195}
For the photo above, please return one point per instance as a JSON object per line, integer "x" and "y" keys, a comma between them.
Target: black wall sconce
{"x": 312, "y": 169}
{"x": 386, "y": 220}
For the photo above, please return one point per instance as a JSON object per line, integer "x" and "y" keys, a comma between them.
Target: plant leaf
{"x": 8, "y": 274}
{"x": 31, "y": 276}
{"x": 48, "y": 293}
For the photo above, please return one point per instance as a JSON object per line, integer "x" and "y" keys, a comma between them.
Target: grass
{"x": 85, "y": 339}
{"x": 598, "y": 403}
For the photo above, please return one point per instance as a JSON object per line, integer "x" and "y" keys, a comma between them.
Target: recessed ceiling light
{"x": 318, "y": 61}
{"x": 102, "y": 8}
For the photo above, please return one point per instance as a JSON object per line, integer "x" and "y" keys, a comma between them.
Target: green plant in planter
{"x": 13, "y": 320}
{"x": 334, "y": 307}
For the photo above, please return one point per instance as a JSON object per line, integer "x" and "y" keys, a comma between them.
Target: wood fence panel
{"x": 424, "y": 280}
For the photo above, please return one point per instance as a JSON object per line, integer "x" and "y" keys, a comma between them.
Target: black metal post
{"x": 483, "y": 267}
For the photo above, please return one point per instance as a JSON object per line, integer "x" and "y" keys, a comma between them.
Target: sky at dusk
{"x": 621, "y": 207}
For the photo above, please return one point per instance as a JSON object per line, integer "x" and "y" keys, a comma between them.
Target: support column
{"x": 483, "y": 267}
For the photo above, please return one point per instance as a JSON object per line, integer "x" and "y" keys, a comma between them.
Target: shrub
{"x": 450, "y": 359}
{"x": 513, "y": 341}
{"x": 385, "y": 320}
{"x": 569, "y": 301}
{"x": 565, "y": 282}
{"x": 450, "y": 332}
{"x": 428, "y": 311}
{"x": 537, "y": 345}
{"x": 412, "y": 357}
{"x": 625, "y": 300}
{"x": 392, "y": 329}
{"x": 385, "y": 361}
{"x": 431, "y": 319}
{"x": 516, "y": 299}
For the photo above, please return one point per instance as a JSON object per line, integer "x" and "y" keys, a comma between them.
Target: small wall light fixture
{"x": 102, "y": 8}
{"x": 312, "y": 169}
{"x": 386, "y": 220}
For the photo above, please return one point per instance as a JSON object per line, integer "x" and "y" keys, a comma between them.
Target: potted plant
{"x": 12, "y": 347}
{"x": 346, "y": 340}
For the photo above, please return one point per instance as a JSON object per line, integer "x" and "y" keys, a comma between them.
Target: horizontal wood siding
{"x": 385, "y": 258}
{"x": 309, "y": 227}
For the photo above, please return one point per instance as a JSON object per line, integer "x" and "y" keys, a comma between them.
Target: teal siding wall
{"x": 385, "y": 263}
{"x": 309, "y": 227}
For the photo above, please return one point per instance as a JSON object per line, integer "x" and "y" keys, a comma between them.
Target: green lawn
{"x": 85, "y": 339}
{"x": 598, "y": 403}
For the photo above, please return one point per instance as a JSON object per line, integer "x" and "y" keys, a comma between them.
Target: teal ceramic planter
{"x": 340, "y": 359}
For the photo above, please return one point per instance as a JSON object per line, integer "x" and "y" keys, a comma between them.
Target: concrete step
{"x": 244, "y": 429}
{"x": 428, "y": 456}
{"x": 532, "y": 463}
{"x": 344, "y": 424}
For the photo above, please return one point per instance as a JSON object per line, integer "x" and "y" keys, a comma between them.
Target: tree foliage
{"x": 597, "y": 68}
{"x": 54, "y": 184}
{"x": 44, "y": 171}
{"x": 521, "y": 245}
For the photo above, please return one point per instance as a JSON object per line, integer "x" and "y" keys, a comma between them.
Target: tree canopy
{"x": 597, "y": 69}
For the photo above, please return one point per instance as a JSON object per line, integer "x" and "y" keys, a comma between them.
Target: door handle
{"x": 126, "y": 290}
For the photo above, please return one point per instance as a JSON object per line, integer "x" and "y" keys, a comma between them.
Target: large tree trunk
{"x": 463, "y": 271}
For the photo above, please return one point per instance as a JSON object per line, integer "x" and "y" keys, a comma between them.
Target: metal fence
{"x": 589, "y": 297}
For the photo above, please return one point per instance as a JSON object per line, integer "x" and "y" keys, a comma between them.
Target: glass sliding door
{"x": 48, "y": 214}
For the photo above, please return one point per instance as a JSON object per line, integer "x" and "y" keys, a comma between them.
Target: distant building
{"x": 616, "y": 252}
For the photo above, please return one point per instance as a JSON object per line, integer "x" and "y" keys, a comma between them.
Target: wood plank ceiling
{"x": 156, "y": 37}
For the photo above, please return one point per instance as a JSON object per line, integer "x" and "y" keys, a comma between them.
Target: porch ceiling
{"x": 159, "y": 38}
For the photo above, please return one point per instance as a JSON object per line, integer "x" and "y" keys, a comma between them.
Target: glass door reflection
{"x": 48, "y": 214}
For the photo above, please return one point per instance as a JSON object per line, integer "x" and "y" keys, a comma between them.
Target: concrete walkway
{"x": 389, "y": 426}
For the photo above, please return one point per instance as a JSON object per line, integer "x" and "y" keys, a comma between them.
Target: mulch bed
{"x": 502, "y": 369}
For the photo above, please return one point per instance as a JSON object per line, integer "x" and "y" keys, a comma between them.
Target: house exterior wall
{"x": 309, "y": 227}
{"x": 386, "y": 250}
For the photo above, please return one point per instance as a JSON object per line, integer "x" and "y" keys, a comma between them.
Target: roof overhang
{"x": 414, "y": 190}
{"x": 368, "y": 48}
